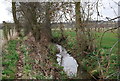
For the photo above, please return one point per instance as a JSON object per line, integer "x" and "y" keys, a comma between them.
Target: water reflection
{"x": 68, "y": 62}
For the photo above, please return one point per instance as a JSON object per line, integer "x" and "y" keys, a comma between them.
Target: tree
{"x": 46, "y": 34}
{"x": 35, "y": 17}
{"x": 16, "y": 21}
{"x": 80, "y": 31}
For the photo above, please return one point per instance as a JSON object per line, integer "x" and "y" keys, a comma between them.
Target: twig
{"x": 111, "y": 75}
{"x": 114, "y": 46}
{"x": 110, "y": 53}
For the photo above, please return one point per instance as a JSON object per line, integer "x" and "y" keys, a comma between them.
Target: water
{"x": 68, "y": 62}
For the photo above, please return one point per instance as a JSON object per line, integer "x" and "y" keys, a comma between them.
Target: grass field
{"x": 108, "y": 40}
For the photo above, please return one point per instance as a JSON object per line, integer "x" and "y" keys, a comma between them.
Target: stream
{"x": 69, "y": 64}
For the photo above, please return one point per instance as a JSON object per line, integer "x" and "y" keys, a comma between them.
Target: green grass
{"x": 10, "y": 58}
{"x": 108, "y": 40}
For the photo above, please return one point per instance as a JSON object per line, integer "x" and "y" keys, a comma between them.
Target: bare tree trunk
{"x": 5, "y": 30}
{"x": 82, "y": 73}
{"x": 79, "y": 29}
{"x": 46, "y": 34}
{"x": 16, "y": 21}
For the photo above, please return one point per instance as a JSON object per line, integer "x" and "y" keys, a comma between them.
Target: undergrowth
{"x": 99, "y": 63}
{"x": 9, "y": 61}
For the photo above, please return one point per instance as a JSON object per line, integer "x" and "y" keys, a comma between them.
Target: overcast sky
{"x": 108, "y": 9}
